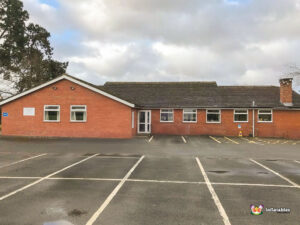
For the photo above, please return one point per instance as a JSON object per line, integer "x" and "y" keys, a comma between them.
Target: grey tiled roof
{"x": 196, "y": 94}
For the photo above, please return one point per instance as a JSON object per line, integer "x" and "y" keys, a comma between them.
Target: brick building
{"x": 69, "y": 107}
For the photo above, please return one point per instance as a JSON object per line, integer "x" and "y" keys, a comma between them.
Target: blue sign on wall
{"x": 5, "y": 114}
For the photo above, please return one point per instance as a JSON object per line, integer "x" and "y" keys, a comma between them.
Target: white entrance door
{"x": 144, "y": 121}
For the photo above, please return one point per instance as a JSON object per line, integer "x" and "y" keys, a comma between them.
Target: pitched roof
{"x": 197, "y": 94}
{"x": 74, "y": 80}
{"x": 181, "y": 94}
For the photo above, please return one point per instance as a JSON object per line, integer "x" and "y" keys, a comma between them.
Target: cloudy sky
{"x": 238, "y": 42}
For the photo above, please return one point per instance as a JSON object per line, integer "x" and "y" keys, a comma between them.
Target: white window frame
{"x": 78, "y": 110}
{"x": 259, "y": 113}
{"x": 219, "y": 113}
{"x": 167, "y": 112}
{"x": 183, "y": 112}
{"x": 235, "y": 113}
{"x": 53, "y": 110}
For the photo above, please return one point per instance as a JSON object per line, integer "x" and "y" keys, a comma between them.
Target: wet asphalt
{"x": 166, "y": 188}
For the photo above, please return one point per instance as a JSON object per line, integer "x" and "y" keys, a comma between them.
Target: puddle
{"x": 218, "y": 171}
{"x": 76, "y": 212}
{"x": 262, "y": 173}
{"x": 58, "y": 222}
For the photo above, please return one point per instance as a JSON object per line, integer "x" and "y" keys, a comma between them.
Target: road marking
{"x": 153, "y": 181}
{"x": 252, "y": 142}
{"x": 214, "y": 194}
{"x": 215, "y": 139}
{"x": 183, "y": 139}
{"x": 118, "y": 157}
{"x": 23, "y": 160}
{"x": 166, "y": 181}
{"x": 297, "y": 161}
{"x": 150, "y": 139}
{"x": 29, "y": 178}
{"x": 254, "y": 185}
{"x": 113, "y": 193}
{"x": 278, "y": 174}
{"x": 44, "y": 178}
{"x": 229, "y": 139}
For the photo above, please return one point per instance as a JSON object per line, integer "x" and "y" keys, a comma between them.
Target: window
{"x": 166, "y": 115}
{"x": 240, "y": 115}
{"x": 78, "y": 113}
{"x": 265, "y": 115}
{"x": 190, "y": 115}
{"x": 52, "y": 113}
{"x": 213, "y": 116}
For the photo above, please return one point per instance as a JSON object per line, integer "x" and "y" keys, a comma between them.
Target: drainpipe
{"x": 253, "y": 119}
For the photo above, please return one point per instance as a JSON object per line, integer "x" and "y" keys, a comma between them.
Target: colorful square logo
{"x": 256, "y": 210}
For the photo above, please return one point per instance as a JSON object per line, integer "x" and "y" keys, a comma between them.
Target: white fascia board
{"x": 72, "y": 80}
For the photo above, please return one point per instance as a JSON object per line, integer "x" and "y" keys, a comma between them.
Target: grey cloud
{"x": 242, "y": 43}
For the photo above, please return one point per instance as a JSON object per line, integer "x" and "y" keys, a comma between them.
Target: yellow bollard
{"x": 240, "y": 134}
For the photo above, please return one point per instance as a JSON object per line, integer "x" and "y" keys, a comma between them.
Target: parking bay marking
{"x": 112, "y": 194}
{"x": 211, "y": 137}
{"x": 44, "y": 178}
{"x": 183, "y": 139}
{"x": 229, "y": 139}
{"x": 214, "y": 194}
{"x": 297, "y": 161}
{"x": 151, "y": 181}
{"x": 23, "y": 160}
{"x": 276, "y": 173}
{"x": 150, "y": 139}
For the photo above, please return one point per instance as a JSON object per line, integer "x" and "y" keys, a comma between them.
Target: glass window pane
{"x": 213, "y": 111}
{"x": 52, "y": 107}
{"x": 78, "y": 107}
{"x": 142, "y": 127}
{"x": 265, "y": 111}
{"x": 166, "y": 116}
{"x": 265, "y": 117}
{"x": 142, "y": 117}
{"x": 189, "y": 117}
{"x": 189, "y": 110}
{"x": 51, "y": 115}
{"x": 240, "y": 111}
{"x": 213, "y": 117}
{"x": 240, "y": 117}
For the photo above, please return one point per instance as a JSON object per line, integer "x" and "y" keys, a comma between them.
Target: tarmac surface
{"x": 160, "y": 180}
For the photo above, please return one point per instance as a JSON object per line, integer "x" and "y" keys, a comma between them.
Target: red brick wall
{"x": 286, "y": 91}
{"x": 106, "y": 118}
{"x": 285, "y": 124}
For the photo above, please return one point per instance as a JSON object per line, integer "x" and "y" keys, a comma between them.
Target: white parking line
{"x": 23, "y": 160}
{"x": 235, "y": 142}
{"x": 150, "y": 139}
{"x": 278, "y": 174}
{"x": 44, "y": 178}
{"x": 297, "y": 161}
{"x": 214, "y": 194}
{"x": 118, "y": 157}
{"x": 152, "y": 181}
{"x": 183, "y": 139}
{"x": 113, "y": 193}
{"x": 215, "y": 139}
